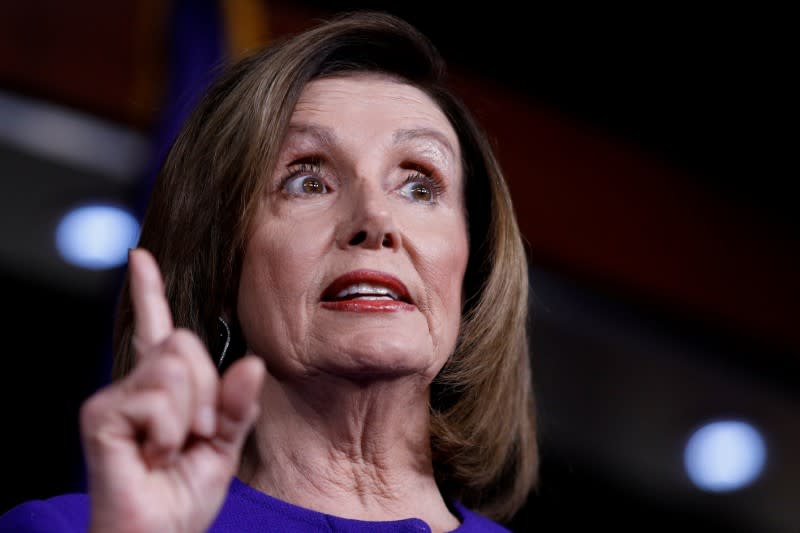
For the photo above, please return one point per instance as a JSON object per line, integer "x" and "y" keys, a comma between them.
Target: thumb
{"x": 239, "y": 396}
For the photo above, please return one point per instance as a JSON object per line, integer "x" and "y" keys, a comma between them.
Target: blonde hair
{"x": 482, "y": 413}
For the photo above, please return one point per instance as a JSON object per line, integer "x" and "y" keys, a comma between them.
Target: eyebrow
{"x": 322, "y": 134}
{"x": 427, "y": 133}
{"x": 327, "y": 137}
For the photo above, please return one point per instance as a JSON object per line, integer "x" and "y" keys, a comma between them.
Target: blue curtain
{"x": 196, "y": 48}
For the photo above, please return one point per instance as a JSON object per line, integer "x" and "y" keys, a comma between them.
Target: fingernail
{"x": 206, "y": 421}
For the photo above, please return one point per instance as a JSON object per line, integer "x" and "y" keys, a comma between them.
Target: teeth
{"x": 367, "y": 289}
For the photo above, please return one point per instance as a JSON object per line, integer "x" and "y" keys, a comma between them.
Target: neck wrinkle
{"x": 351, "y": 449}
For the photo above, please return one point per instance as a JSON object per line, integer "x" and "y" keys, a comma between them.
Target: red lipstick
{"x": 356, "y": 302}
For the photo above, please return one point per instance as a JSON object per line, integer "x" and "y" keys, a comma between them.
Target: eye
{"x": 421, "y": 188}
{"x": 303, "y": 184}
{"x": 304, "y": 179}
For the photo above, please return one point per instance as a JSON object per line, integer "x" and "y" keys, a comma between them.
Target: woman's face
{"x": 356, "y": 259}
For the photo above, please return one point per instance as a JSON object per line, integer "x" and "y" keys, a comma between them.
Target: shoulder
{"x": 66, "y": 513}
{"x": 472, "y": 522}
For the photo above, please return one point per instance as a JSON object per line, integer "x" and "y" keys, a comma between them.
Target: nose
{"x": 369, "y": 222}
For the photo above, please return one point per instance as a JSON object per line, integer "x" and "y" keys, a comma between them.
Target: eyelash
{"x": 313, "y": 167}
{"x": 429, "y": 180}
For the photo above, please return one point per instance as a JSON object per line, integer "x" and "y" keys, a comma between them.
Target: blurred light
{"x": 76, "y": 139}
{"x": 97, "y": 236}
{"x": 725, "y": 455}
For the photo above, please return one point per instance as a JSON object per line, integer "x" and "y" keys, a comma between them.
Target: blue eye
{"x": 420, "y": 188}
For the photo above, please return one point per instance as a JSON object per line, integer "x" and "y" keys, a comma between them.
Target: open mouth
{"x": 367, "y": 288}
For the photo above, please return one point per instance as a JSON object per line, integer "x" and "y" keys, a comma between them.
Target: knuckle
{"x": 221, "y": 476}
{"x": 139, "y": 346}
{"x": 163, "y": 409}
{"x": 171, "y": 371}
{"x": 91, "y": 410}
{"x": 170, "y": 402}
{"x": 161, "y": 404}
{"x": 184, "y": 341}
{"x": 189, "y": 346}
{"x": 168, "y": 421}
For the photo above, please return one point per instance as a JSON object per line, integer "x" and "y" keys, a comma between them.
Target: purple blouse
{"x": 246, "y": 510}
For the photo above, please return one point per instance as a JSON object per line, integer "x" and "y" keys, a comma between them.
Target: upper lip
{"x": 372, "y": 277}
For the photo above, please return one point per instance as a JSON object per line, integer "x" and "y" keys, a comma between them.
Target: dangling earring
{"x": 227, "y": 341}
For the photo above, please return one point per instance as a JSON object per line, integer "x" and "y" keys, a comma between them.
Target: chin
{"x": 382, "y": 358}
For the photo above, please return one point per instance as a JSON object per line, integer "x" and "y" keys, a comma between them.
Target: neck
{"x": 356, "y": 449}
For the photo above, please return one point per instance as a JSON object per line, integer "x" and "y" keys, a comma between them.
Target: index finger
{"x": 152, "y": 316}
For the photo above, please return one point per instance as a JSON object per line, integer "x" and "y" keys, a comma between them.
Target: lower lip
{"x": 368, "y": 306}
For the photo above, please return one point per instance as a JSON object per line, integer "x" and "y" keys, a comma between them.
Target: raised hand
{"x": 162, "y": 444}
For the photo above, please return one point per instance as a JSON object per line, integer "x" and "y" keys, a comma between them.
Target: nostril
{"x": 358, "y": 238}
{"x": 387, "y": 241}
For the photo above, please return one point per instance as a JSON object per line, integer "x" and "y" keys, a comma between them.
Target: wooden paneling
{"x": 102, "y": 57}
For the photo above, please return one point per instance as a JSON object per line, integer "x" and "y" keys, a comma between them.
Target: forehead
{"x": 373, "y": 101}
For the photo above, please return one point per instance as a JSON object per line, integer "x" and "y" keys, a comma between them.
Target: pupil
{"x": 421, "y": 192}
{"x": 311, "y": 186}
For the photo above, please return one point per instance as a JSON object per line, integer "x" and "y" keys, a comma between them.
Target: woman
{"x": 340, "y": 255}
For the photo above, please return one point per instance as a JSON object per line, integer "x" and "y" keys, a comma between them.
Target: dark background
{"x": 648, "y": 152}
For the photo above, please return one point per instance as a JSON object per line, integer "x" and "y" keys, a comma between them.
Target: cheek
{"x": 446, "y": 262}
{"x": 456, "y": 262}
{"x": 277, "y": 274}
{"x": 282, "y": 252}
